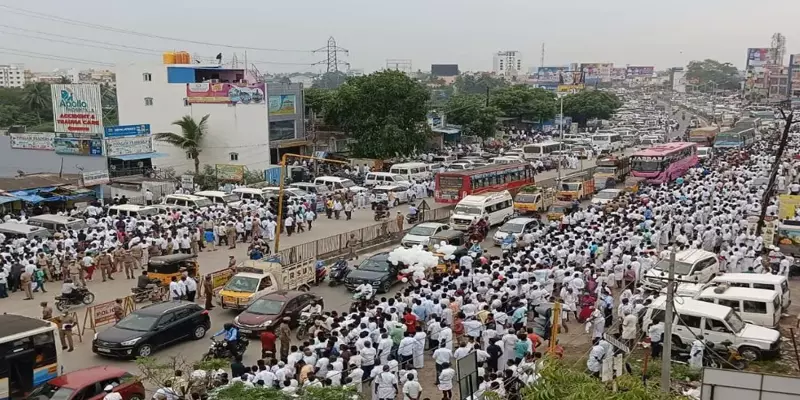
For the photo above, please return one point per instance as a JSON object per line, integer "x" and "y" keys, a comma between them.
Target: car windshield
{"x": 242, "y": 284}
{"x": 50, "y": 392}
{"x": 228, "y": 198}
{"x": 734, "y": 321}
{"x": 202, "y": 202}
{"x": 137, "y": 322}
{"x": 149, "y": 212}
{"x": 648, "y": 166}
{"x": 681, "y": 268}
{"x": 469, "y": 210}
{"x": 421, "y": 231}
{"x": 525, "y": 198}
{"x": 509, "y": 227}
{"x": 606, "y": 195}
{"x": 266, "y": 307}
{"x": 571, "y": 187}
{"x": 374, "y": 265}
{"x": 347, "y": 183}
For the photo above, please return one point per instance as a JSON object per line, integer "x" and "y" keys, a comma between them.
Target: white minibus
{"x": 413, "y": 171}
{"x": 539, "y": 150}
{"x": 607, "y": 142}
{"x": 498, "y": 206}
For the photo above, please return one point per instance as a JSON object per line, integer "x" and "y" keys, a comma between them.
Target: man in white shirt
{"x": 191, "y": 287}
{"x": 111, "y": 394}
{"x": 386, "y": 385}
{"x": 175, "y": 289}
{"x": 412, "y": 390}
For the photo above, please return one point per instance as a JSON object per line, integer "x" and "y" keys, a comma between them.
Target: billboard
{"x": 77, "y": 108}
{"x": 78, "y": 146}
{"x": 95, "y": 178}
{"x": 444, "y": 69}
{"x": 129, "y": 145}
{"x": 32, "y": 141}
{"x": 575, "y": 88}
{"x": 618, "y": 74}
{"x": 550, "y": 74}
{"x": 229, "y": 172}
{"x": 225, "y": 93}
{"x": 284, "y": 104}
{"x": 597, "y": 72}
{"x": 127, "y": 130}
{"x": 794, "y": 76}
{"x": 639, "y": 72}
{"x": 757, "y": 57}
{"x": 678, "y": 79}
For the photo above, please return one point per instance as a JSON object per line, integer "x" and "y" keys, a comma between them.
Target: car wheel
{"x": 144, "y": 350}
{"x": 304, "y": 288}
{"x": 396, "y": 202}
{"x": 136, "y": 397}
{"x": 385, "y": 286}
{"x": 750, "y": 353}
{"x": 199, "y": 332}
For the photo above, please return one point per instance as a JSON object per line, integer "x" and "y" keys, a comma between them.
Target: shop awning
{"x": 30, "y": 198}
{"x": 133, "y": 157}
{"x": 7, "y": 199}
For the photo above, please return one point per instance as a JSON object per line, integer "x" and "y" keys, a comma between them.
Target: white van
{"x": 13, "y": 230}
{"x": 313, "y": 188}
{"x": 219, "y": 197}
{"x": 413, "y": 171}
{"x": 696, "y": 265}
{"x": 717, "y": 324}
{"x": 756, "y": 306}
{"x": 498, "y": 206}
{"x": 540, "y": 150}
{"x": 57, "y": 223}
{"x": 384, "y": 179}
{"x": 443, "y": 159}
{"x": 337, "y": 184}
{"x": 777, "y": 283}
{"x": 503, "y": 160}
{"x": 251, "y": 194}
{"x": 132, "y": 210}
{"x": 607, "y": 142}
{"x": 185, "y": 202}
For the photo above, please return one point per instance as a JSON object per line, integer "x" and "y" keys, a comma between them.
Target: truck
{"x": 704, "y": 137}
{"x": 610, "y": 170}
{"x": 534, "y": 199}
{"x": 256, "y": 278}
{"x": 576, "y": 187}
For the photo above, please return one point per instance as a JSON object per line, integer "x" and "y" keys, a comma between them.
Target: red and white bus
{"x": 452, "y": 186}
{"x": 664, "y": 162}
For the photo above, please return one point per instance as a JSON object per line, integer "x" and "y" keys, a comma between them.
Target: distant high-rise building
{"x": 12, "y": 76}
{"x": 507, "y": 62}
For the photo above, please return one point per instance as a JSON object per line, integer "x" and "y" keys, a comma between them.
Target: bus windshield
{"x": 648, "y": 164}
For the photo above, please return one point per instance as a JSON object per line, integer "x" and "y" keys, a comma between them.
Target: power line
{"x": 77, "y": 44}
{"x": 54, "y": 18}
{"x": 80, "y": 39}
{"x": 20, "y": 53}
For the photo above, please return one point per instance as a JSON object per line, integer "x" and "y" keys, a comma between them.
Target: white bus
{"x": 607, "y": 142}
{"x": 30, "y": 356}
{"x": 539, "y": 150}
{"x": 498, "y": 206}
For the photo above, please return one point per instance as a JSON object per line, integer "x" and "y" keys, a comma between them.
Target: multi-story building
{"x": 12, "y": 76}
{"x": 507, "y": 63}
{"x": 105, "y": 77}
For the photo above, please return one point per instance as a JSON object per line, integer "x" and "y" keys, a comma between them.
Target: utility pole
{"x": 666, "y": 340}
{"x": 561, "y": 138}
{"x": 774, "y": 173}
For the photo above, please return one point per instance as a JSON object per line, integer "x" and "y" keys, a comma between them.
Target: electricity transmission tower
{"x": 332, "y": 59}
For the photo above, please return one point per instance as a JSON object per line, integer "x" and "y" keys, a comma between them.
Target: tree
{"x": 36, "y": 97}
{"x": 590, "y": 104}
{"x": 471, "y": 112}
{"x": 724, "y": 75}
{"x": 478, "y": 84}
{"x": 523, "y": 102}
{"x": 317, "y": 99}
{"x": 189, "y": 140}
{"x": 330, "y": 80}
{"x": 385, "y": 112}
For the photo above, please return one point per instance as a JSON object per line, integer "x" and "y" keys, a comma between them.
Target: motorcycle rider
{"x": 412, "y": 212}
{"x": 69, "y": 290}
{"x": 364, "y": 293}
{"x": 314, "y": 308}
{"x": 143, "y": 282}
{"x": 231, "y": 333}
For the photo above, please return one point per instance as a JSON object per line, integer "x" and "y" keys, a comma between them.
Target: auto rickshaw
{"x": 633, "y": 183}
{"x": 559, "y": 209}
{"x": 451, "y": 237}
{"x": 164, "y": 268}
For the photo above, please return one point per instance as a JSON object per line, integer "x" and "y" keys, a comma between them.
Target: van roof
{"x": 688, "y": 305}
{"x": 693, "y": 256}
{"x": 248, "y": 190}
{"x": 21, "y": 228}
{"x": 210, "y": 193}
{"x": 57, "y": 218}
{"x": 383, "y": 173}
{"x": 185, "y": 196}
{"x": 332, "y": 178}
{"x": 755, "y": 278}
{"x": 130, "y": 207}
{"x": 485, "y": 197}
{"x": 409, "y": 165}
{"x": 306, "y": 184}
{"x": 389, "y": 187}
{"x": 545, "y": 143}
{"x": 521, "y": 220}
{"x": 733, "y": 292}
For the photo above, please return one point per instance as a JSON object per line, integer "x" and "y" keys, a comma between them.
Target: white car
{"x": 400, "y": 194}
{"x": 705, "y": 153}
{"x": 516, "y": 227}
{"x": 606, "y": 196}
{"x": 421, "y": 234}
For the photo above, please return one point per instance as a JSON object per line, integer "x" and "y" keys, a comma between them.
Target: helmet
{"x": 228, "y": 326}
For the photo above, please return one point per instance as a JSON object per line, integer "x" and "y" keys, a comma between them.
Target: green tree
{"x": 385, "y": 112}
{"x": 590, "y": 104}
{"x": 189, "y": 140}
{"x": 478, "y": 84}
{"x": 317, "y": 99}
{"x": 330, "y": 80}
{"x": 724, "y": 75}
{"x": 523, "y": 102}
{"x": 36, "y": 97}
{"x": 471, "y": 112}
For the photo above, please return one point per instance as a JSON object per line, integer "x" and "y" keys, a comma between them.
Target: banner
{"x": 96, "y": 178}
{"x": 103, "y": 313}
{"x": 618, "y": 74}
{"x": 129, "y": 145}
{"x": 78, "y": 146}
{"x": 794, "y": 77}
{"x": 639, "y": 72}
{"x": 225, "y": 93}
{"x": 757, "y": 57}
{"x": 127, "y": 130}
{"x": 788, "y": 204}
{"x": 32, "y": 141}
{"x": 550, "y": 74}
{"x": 597, "y": 72}
{"x": 229, "y": 172}
{"x": 77, "y": 108}
{"x": 570, "y": 88}
{"x": 284, "y": 104}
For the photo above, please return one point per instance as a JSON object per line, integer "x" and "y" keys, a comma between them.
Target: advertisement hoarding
{"x": 32, "y": 141}
{"x": 229, "y": 172}
{"x": 78, "y": 146}
{"x": 127, "y": 130}
{"x": 129, "y": 145}
{"x": 77, "y": 108}
{"x": 570, "y": 88}
{"x": 618, "y": 74}
{"x": 95, "y": 178}
{"x": 597, "y": 72}
{"x": 757, "y": 57}
{"x": 639, "y": 72}
{"x": 225, "y": 93}
{"x": 678, "y": 81}
{"x": 550, "y": 74}
{"x": 794, "y": 77}
{"x": 284, "y": 104}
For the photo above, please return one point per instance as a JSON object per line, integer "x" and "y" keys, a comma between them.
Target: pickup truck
{"x": 578, "y": 187}
{"x": 256, "y": 278}
{"x": 534, "y": 199}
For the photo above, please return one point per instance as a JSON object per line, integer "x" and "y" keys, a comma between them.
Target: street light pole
{"x": 561, "y": 138}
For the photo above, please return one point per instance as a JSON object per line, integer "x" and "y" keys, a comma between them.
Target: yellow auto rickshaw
{"x": 632, "y": 184}
{"x": 164, "y": 268}
{"x": 559, "y": 209}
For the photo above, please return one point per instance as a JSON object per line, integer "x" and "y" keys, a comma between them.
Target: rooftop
{"x": 35, "y": 181}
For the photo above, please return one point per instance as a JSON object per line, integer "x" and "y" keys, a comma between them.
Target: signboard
{"x": 129, "y": 145}
{"x": 78, "y": 146}
{"x": 794, "y": 77}
{"x": 284, "y": 104}
{"x": 719, "y": 384}
{"x": 597, "y": 72}
{"x": 788, "y": 204}
{"x": 77, "y": 108}
{"x": 221, "y": 277}
{"x": 639, "y": 72}
{"x": 229, "y": 172}
{"x": 32, "y": 141}
{"x": 127, "y": 130}
{"x": 96, "y": 178}
{"x": 103, "y": 313}
{"x": 467, "y": 368}
{"x": 757, "y": 57}
{"x": 570, "y": 88}
{"x": 187, "y": 181}
{"x": 225, "y": 93}
{"x": 618, "y": 74}
{"x": 550, "y": 74}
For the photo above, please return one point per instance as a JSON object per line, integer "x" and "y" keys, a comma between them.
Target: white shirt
{"x": 113, "y": 396}
{"x": 191, "y": 285}
{"x": 411, "y": 390}
{"x": 386, "y": 382}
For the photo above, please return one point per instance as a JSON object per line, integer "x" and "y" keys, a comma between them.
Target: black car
{"x": 152, "y": 327}
{"x": 376, "y": 270}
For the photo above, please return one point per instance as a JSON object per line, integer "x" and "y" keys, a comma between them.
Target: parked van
{"x": 541, "y": 150}
{"x": 251, "y": 194}
{"x": 219, "y": 197}
{"x": 185, "y": 202}
{"x": 756, "y": 306}
{"x": 696, "y": 265}
{"x": 498, "y": 206}
{"x": 313, "y": 188}
{"x": 337, "y": 184}
{"x": 385, "y": 178}
{"x": 13, "y": 230}
{"x": 717, "y": 324}
{"x": 132, "y": 210}
{"x": 413, "y": 171}
{"x": 57, "y": 223}
{"x": 777, "y": 283}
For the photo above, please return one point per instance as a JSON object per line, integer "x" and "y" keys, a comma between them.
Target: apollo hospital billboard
{"x": 77, "y": 109}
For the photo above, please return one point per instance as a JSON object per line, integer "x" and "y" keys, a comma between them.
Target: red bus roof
{"x": 663, "y": 149}
{"x": 483, "y": 170}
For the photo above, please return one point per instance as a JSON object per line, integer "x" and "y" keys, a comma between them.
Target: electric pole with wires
{"x": 666, "y": 339}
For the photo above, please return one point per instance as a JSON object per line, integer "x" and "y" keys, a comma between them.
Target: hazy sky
{"x": 466, "y": 32}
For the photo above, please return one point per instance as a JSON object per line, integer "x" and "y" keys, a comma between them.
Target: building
{"x": 104, "y": 77}
{"x": 507, "y": 63}
{"x": 13, "y": 76}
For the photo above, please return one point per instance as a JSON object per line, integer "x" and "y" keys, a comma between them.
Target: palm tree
{"x": 189, "y": 140}
{"x": 36, "y": 97}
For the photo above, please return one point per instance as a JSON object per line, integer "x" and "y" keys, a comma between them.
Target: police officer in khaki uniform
{"x": 65, "y": 325}
{"x": 128, "y": 262}
{"x": 42, "y": 262}
{"x": 138, "y": 254}
{"x": 104, "y": 262}
{"x": 74, "y": 269}
{"x": 119, "y": 258}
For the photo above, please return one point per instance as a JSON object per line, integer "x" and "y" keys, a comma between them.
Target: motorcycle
{"x": 412, "y": 218}
{"x": 219, "y": 349}
{"x": 360, "y": 303}
{"x": 322, "y": 272}
{"x": 381, "y": 214}
{"x": 733, "y": 359}
{"x": 79, "y": 296}
{"x": 306, "y": 325}
{"x": 338, "y": 272}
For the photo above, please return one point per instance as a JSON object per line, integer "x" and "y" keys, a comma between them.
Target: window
{"x": 734, "y": 304}
{"x": 767, "y": 286}
{"x": 714, "y": 325}
{"x": 147, "y": 77}
{"x": 234, "y": 156}
{"x": 689, "y": 321}
{"x": 755, "y": 307}
{"x": 167, "y": 318}
{"x": 281, "y": 130}
{"x": 265, "y": 283}
{"x": 148, "y": 101}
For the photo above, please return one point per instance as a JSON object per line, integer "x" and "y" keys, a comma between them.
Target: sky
{"x": 465, "y": 32}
